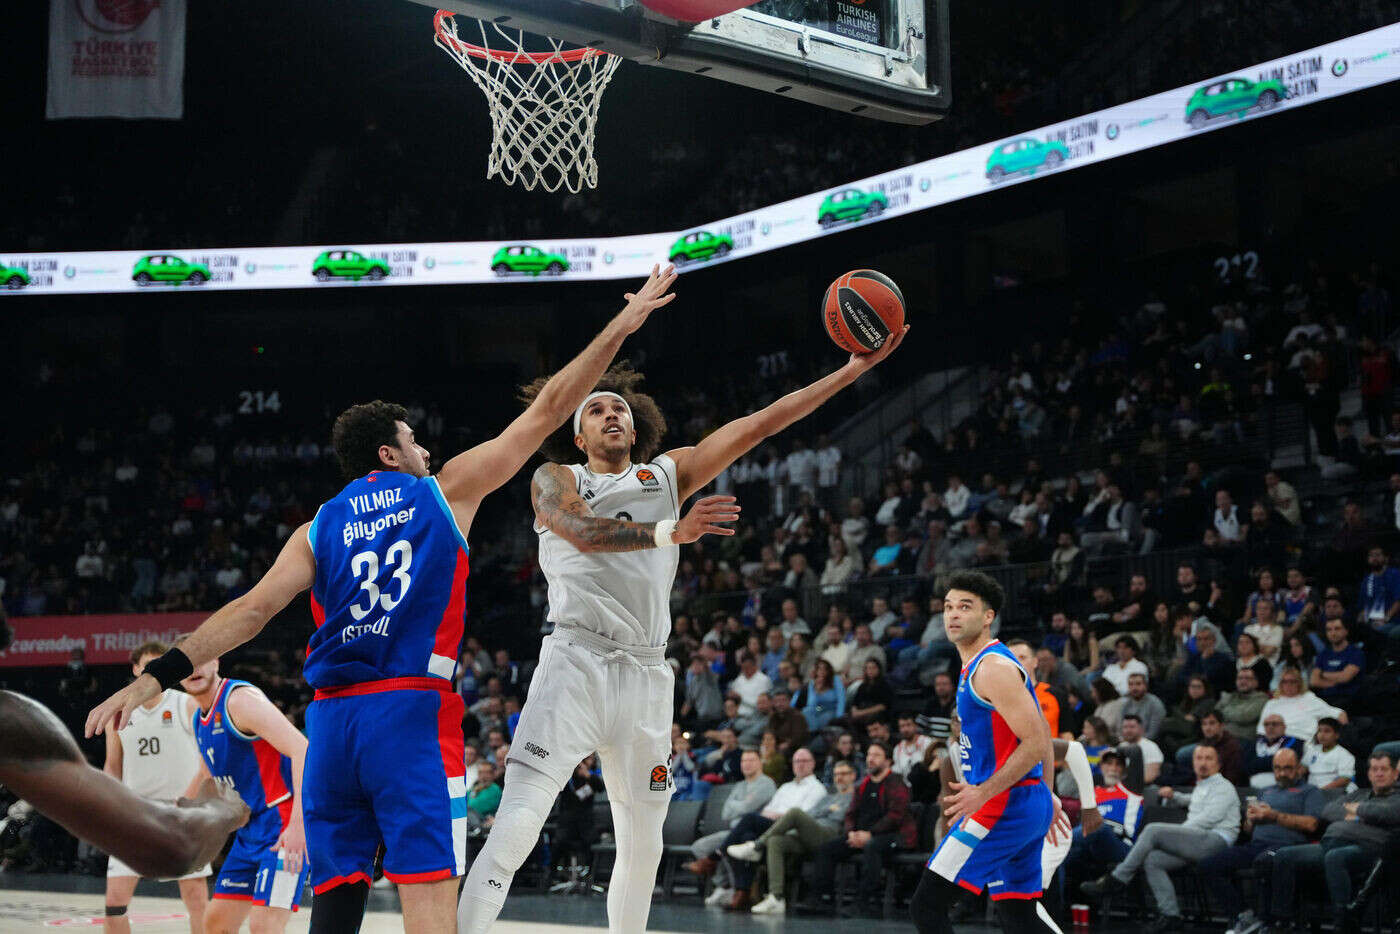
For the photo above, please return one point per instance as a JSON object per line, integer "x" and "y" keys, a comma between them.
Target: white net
{"x": 544, "y": 105}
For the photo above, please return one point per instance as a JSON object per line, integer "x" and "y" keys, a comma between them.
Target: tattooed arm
{"x": 559, "y": 508}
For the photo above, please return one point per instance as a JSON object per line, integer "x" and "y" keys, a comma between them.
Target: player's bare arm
{"x": 947, "y": 774}
{"x": 467, "y": 478}
{"x": 559, "y": 508}
{"x": 1003, "y": 685}
{"x": 233, "y": 624}
{"x": 112, "y": 763}
{"x": 253, "y": 714}
{"x": 40, "y": 762}
{"x": 197, "y": 781}
{"x": 697, "y": 466}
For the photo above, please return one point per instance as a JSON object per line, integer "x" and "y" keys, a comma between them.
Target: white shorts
{"x": 1051, "y": 856}
{"x": 117, "y": 868}
{"x": 590, "y": 694}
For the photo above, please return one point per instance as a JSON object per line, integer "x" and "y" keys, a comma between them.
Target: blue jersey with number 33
{"x": 390, "y": 597}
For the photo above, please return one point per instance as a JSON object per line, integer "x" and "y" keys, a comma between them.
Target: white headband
{"x": 578, "y": 413}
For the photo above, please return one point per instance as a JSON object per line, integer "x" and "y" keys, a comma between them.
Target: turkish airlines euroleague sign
{"x": 104, "y": 639}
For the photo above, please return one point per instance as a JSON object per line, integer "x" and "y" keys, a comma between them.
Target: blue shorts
{"x": 998, "y": 848}
{"x": 384, "y": 764}
{"x": 253, "y": 871}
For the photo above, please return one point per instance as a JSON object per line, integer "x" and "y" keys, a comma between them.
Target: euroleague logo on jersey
{"x": 660, "y": 776}
{"x": 647, "y": 478}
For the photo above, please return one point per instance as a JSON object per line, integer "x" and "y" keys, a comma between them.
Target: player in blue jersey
{"x": 386, "y": 561}
{"x": 248, "y": 746}
{"x": 1002, "y": 812}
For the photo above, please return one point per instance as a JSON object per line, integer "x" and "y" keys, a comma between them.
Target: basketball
{"x": 862, "y": 309}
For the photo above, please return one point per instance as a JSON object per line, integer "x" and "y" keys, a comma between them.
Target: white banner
{"x": 1257, "y": 91}
{"x": 116, "y": 58}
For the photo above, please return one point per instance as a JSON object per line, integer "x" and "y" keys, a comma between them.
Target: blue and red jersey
{"x": 390, "y": 597}
{"x": 249, "y": 765}
{"x": 987, "y": 741}
{"x": 1120, "y": 809}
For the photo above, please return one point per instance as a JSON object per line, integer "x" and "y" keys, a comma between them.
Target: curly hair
{"x": 981, "y": 585}
{"x": 647, "y": 419}
{"x": 359, "y": 432}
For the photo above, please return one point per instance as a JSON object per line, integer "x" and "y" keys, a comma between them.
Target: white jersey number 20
{"x": 366, "y": 565}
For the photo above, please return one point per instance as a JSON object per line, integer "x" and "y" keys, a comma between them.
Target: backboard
{"x": 885, "y": 59}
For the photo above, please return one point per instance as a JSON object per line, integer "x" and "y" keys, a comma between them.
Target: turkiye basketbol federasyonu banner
{"x": 116, "y": 58}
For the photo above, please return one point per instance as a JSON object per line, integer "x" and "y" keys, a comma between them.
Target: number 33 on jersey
{"x": 390, "y": 596}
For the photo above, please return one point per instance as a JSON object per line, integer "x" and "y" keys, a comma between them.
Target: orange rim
{"x": 508, "y": 58}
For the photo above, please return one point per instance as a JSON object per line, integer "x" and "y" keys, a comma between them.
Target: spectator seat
{"x": 677, "y": 834}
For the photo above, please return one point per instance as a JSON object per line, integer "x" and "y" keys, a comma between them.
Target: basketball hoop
{"x": 544, "y": 105}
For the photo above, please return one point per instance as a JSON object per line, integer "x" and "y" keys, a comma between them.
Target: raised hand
{"x": 865, "y": 361}
{"x": 652, "y": 295}
{"x": 115, "y": 711}
{"x": 704, "y": 518}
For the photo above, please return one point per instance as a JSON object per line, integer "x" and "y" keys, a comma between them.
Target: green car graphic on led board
{"x": 524, "y": 260}
{"x": 700, "y": 245}
{"x": 162, "y": 267}
{"x": 12, "y": 277}
{"x": 347, "y": 264}
{"x": 1232, "y": 97}
{"x": 851, "y": 204}
{"x": 1025, "y": 155}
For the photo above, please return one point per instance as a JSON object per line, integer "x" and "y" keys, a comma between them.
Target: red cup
{"x": 1080, "y": 915}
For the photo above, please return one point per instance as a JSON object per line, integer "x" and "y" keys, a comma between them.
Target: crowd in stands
{"x": 1247, "y": 669}
{"x": 1218, "y": 633}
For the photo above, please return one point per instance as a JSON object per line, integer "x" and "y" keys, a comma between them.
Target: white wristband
{"x": 664, "y": 528}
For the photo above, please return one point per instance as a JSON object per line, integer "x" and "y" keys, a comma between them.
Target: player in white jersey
{"x": 156, "y": 757}
{"x": 607, "y": 531}
{"x": 1076, "y": 759}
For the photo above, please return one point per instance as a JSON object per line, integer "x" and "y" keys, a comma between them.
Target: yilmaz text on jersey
{"x": 370, "y": 528}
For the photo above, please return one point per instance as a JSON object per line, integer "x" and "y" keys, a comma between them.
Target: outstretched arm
{"x": 559, "y": 508}
{"x": 468, "y": 477}
{"x": 231, "y": 625}
{"x": 698, "y": 465}
{"x": 40, "y": 762}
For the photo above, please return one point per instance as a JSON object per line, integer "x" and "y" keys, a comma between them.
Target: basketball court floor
{"x": 41, "y": 903}
{"x": 31, "y": 903}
